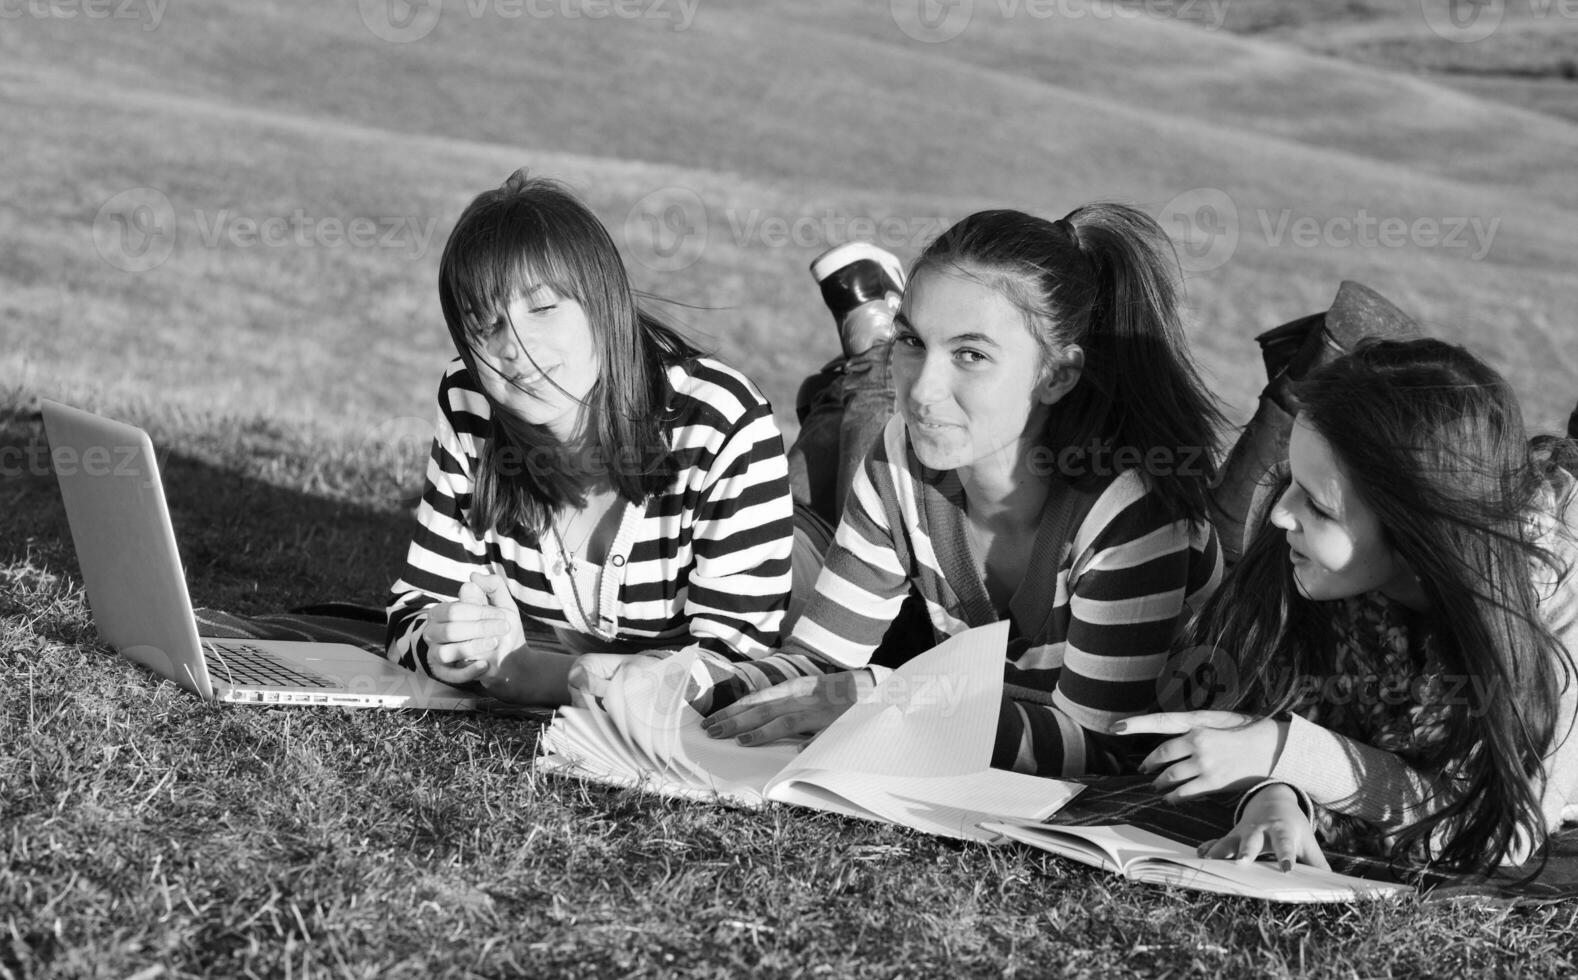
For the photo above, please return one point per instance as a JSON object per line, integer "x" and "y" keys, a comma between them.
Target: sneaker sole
{"x": 839, "y": 256}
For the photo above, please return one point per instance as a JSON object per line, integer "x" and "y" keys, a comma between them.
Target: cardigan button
{"x": 618, "y": 560}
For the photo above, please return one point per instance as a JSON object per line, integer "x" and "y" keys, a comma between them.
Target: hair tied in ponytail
{"x": 517, "y": 182}
{"x": 1066, "y": 228}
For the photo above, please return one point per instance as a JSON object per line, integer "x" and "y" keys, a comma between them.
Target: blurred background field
{"x": 724, "y": 152}
{"x": 222, "y": 220}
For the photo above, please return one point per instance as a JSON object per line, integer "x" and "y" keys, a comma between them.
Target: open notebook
{"x": 913, "y": 751}
{"x": 1141, "y": 855}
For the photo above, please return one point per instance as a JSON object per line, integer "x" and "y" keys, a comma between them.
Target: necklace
{"x": 594, "y": 510}
{"x": 567, "y": 555}
{"x": 567, "y": 564}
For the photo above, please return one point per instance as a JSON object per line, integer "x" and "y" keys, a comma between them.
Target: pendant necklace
{"x": 567, "y": 563}
{"x": 567, "y": 560}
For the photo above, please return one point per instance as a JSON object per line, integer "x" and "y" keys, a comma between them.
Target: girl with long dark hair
{"x": 1399, "y": 631}
{"x": 1049, "y": 464}
{"x": 590, "y": 471}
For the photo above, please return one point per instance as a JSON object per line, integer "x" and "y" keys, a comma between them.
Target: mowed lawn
{"x": 287, "y": 387}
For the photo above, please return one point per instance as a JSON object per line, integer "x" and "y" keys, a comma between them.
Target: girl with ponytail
{"x": 1049, "y": 464}
{"x": 1396, "y": 642}
{"x": 590, "y": 471}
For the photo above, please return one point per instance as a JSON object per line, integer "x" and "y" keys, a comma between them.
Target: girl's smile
{"x": 539, "y": 360}
{"x": 968, "y": 374}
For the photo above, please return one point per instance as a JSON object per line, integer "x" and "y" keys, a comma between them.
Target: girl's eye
{"x": 908, "y": 340}
{"x": 547, "y": 307}
{"x": 970, "y": 356}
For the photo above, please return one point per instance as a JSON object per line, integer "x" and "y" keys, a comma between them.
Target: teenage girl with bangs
{"x": 590, "y": 470}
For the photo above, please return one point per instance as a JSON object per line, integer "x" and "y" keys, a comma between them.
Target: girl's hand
{"x": 470, "y": 639}
{"x": 801, "y": 706}
{"x": 1272, "y": 821}
{"x": 1215, "y": 751}
{"x": 591, "y": 676}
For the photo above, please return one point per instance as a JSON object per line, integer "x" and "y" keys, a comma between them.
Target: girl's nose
{"x": 1282, "y": 514}
{"x": 503, "y": 346}
{"x": 930, "y": 384}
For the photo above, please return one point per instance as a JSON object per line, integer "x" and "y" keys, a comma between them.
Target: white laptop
{"x": 109, "y": 480}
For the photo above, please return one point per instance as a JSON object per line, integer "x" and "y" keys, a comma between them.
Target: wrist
{"x": 1278, "y": 787}
{"x": 1271, "y": 791}
{"x": 527, "y": 676}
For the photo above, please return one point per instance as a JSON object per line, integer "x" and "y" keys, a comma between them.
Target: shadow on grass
{"x": 249, "y": 545}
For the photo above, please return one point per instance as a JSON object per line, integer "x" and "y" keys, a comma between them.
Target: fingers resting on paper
{"x": 1272, "y": 823}
{"x": 800, "y": 706}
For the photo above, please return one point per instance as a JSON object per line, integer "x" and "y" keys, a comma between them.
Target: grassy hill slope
{"x": 153, "y": 835}
{"x": 758, "y": 119}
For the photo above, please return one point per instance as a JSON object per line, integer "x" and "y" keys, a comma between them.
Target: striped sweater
{"x": 1090, "y": 627}
{"x": 708, "y": 562}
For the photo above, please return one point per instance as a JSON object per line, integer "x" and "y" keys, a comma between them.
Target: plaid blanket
{"x": 1130, "y": 800}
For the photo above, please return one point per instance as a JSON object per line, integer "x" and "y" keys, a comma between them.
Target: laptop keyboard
{"x": 245, "y": 665}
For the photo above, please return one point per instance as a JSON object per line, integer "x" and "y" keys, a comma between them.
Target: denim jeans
{"x": 842, "y": 410}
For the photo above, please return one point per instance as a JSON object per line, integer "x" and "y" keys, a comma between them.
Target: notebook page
{"x": 644, "y": 699}
{"x": 1112, "y": 847}
{"x": 603, "y": 737}
{"x": 1000, "y": 794}
{"x": 576, "y": 742}
{"x": 1149, "y": 857}
{"x": 1047, "y": 839}
{"x": 1260, "y": 879}
{"x": 950, "y": 806}
{"x": 934, "y": 716}
{"x": 730, "y": 768}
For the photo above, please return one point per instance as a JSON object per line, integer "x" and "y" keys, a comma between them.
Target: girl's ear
{"x": 1060, "y": 378}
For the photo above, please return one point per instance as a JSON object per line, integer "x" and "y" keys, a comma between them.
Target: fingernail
{"x": 1286, "y": 865}
{"x": 1119, "y": 727}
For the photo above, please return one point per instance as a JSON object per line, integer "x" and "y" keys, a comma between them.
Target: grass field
{"x": 146, "y": 834}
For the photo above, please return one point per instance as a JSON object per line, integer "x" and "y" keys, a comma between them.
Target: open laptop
{"x": 109, "y": 480}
